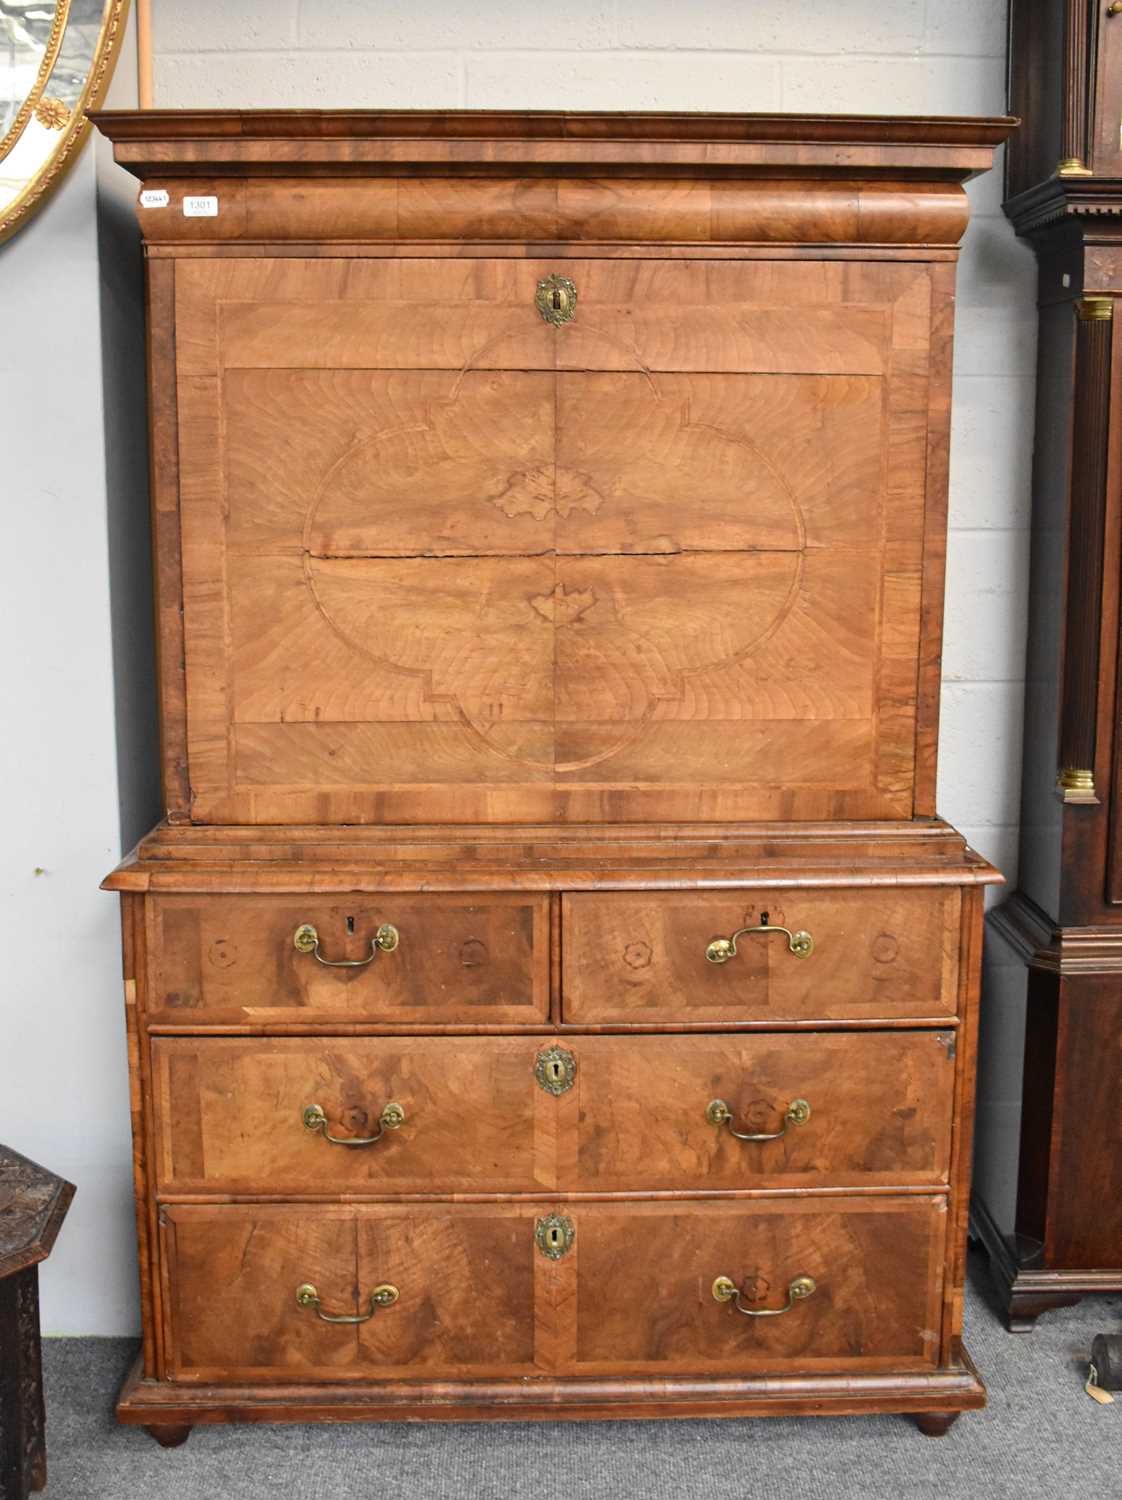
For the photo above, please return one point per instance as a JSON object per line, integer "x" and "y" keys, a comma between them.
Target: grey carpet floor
{"x": 1040, "y": 1436}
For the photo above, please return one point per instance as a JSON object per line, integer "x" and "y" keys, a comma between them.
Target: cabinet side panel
{"x": 132, "y": 945}
{"x": 962, "y": 1149}
{"x": 164, "y": 481}
{"x": 929, "y": 679}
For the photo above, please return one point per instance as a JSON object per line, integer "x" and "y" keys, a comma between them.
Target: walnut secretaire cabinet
{"x": 551, "y": 990}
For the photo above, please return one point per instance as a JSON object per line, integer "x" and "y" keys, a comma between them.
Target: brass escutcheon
{"x": 720, "y": 950}
{"x": 554, "y": 1235}
{"x": 306, "y": 940}
{"x": 556, "y": 299}
{"x": 726, "y": 1290}
{"x": 382, "y": 1296}
{"x": 556, "y": 1070}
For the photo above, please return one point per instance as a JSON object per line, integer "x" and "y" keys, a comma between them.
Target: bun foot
{"x": 169, "y": 1437}
{"x": 936, "y": 1423}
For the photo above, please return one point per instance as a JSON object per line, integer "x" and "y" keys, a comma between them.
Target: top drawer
{"x": 449, "y": 959}
{"x": 879, "y": 953}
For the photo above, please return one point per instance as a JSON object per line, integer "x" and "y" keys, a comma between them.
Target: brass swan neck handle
{"x": 391, "y": 1118}
{"x": 726, "y": 1290}
{"x": 306, "y": 940}
{"x": 721, "y": 949}
{"x": 797, "y": 1112}
{"x": 382, "y": 1296}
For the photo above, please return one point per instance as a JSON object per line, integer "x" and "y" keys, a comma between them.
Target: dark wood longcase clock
{"x": 1058, "y": 938}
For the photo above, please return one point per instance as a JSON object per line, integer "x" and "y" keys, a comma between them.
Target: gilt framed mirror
{"x": 56, "y": 60}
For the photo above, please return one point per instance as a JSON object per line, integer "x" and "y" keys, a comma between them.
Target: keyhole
{"x": 554, "y": 1237}
{"x": 557, "y": 299}
{"x": 555, "y": 1070}
{"x": 350, "y": 924}
{"x": 763, "y": 919}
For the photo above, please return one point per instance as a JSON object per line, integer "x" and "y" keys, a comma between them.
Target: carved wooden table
{"x": 33, "y": 1204}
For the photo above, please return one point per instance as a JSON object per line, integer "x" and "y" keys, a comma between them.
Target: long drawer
{"x": 523, "y": 1290}
{"x": 799, "y": 955}
{"x": 579, "y": 1113}
{"x": 418, "y": 960}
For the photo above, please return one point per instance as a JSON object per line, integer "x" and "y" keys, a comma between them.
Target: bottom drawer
{"x": 487, "y": 1289}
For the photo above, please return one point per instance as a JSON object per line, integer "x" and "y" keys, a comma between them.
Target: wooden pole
{"x": 144, "y": 53}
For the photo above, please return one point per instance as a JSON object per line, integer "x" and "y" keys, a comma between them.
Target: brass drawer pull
{"x": 306, "y": 940}
{"x": 720, "y": 950}
{"x": 391, "y": 1118}
{"x": 726, "y": 1290}
{"x": 381, "y": 1296}
{"x": 717, "y": 1112}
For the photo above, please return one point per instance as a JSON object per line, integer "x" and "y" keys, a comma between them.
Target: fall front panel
{"x": 444, "y": 561}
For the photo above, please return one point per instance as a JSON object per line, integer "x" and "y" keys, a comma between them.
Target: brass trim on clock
{"x": 1075, "y": 785}
{"x": 1095, "y": 309}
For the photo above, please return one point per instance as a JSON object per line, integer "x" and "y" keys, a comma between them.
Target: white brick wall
{"x": 860, "y": 56}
